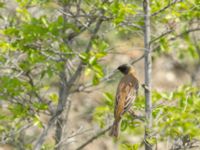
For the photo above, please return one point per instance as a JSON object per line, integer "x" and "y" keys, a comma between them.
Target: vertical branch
{"x": 65, "y": 86}
{"x": 61, "y": 119}
{"x": 147, "y": 61}
{"x": 61, "y": 122}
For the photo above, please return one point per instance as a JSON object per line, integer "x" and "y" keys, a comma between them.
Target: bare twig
{"x": 134, "y": 116}
{"x": 145, "y": 87}
{"x": 160, "y": 36}
{"x": 178, "y": 36}
{"x": 184, "y": 33}
{"x": 130, "y": 24}
{"x": 73, "y": 135}
{"x": 94, "y": 137}
{"x": 136, "y": 60}
{"x": 79, "y": 133}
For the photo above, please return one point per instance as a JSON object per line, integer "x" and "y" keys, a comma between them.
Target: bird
{"x": 127, "y": 92}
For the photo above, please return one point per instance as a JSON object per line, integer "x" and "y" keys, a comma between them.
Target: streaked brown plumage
{"x": 126, "y": 93}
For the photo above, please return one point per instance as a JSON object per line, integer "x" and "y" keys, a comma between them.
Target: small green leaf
{"x": 95, "y": 80}
{"x": 92, "y": 60}
{"x": 109, "y": 99}
{"x": 124, "y": 125}
{"x": 98, "y": 69}
{"x": 136, "y": 146}
{"x": 53, "y": 97}
{"x": 84, "y": 56}
{"x": 108, "y": 96}
{"x": 37, "y": 122}
{"x": 40, "y": 106}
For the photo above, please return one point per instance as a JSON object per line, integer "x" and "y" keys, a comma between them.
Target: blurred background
{"x": 58, "y": 74}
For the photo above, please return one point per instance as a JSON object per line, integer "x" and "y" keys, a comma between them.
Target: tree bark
{"x": 63, "y": 106}
{"x": 148, "y": 66}
{"x": 61, "y": 124}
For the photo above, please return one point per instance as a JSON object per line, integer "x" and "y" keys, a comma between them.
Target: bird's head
{"x": 126, "y": 68}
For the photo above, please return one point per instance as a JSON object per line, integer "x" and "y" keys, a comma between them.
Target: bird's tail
{"x": 115, "y": 129}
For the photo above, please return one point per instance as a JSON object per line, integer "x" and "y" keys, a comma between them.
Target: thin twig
{"x": 160, "y": 36}
{"x": 184, "y": 33}
{"x": 134, "y": 116}
{"x": 74, "y": 135}
{"x": 94, "y": 137}
{"x": 106, "y": 78}
{"x": 178, "y": 36}
{"x": 130, "y": 24}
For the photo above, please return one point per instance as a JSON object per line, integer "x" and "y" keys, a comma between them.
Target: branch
{"x": 134, "y": 116}
{"x": 94, "y": 137}
{"x": 44, "y": 134}
{"x": 80, "y": 66}
{"x": 184, "y": 33}
{"x": 178, "y": 36}
{"x": 31, "y": 82}
{"x": 90, "y": 16}
{"x": 73, "y": 135}
{"x": 166, "y": 7}
{"x": 148, "y": 72}
{"x": 106, "y": 78}
{"x": 160, "y": 36}
{"x": 69, "y": 84}
{"x": 5, "y": 137}
{"x": 142, "y": 118}
{"x": 130, "y": 24}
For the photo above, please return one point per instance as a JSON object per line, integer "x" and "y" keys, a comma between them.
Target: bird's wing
{"x": 131, "y": 91}
{"x": 126, "y": 93}
{"x": 120, "y": 100}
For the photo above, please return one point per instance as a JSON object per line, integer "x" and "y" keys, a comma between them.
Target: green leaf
{"x": 98, "y": 70}
{"x": 95, "y": 80}
{"x": 129, "y": 146}
{"x": 40, "y": 106}
{"x": 84, "y": 57}
{"x": 92, "y": 60}
{"x": 53, "y": 97}
{"x": 152, "y": 140}
{"x": 193, "y": 52}
{"x": 37, "y": 122}
{"x": 109, "y": 99}
{"x": 108, "y": 96}
{"x": 136, "y": 146}
{"x": 11, "y": 31}
{"x": 100, "y": 55}
{"x": 124, "y": 125}
{"x": 19, "y": 111}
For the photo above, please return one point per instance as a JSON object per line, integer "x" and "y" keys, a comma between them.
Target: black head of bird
{"x": 125, "y": 68}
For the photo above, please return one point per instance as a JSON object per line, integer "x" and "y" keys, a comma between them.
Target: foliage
{"x": 42, "y": 40}
{"x": 176, "y": 115}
